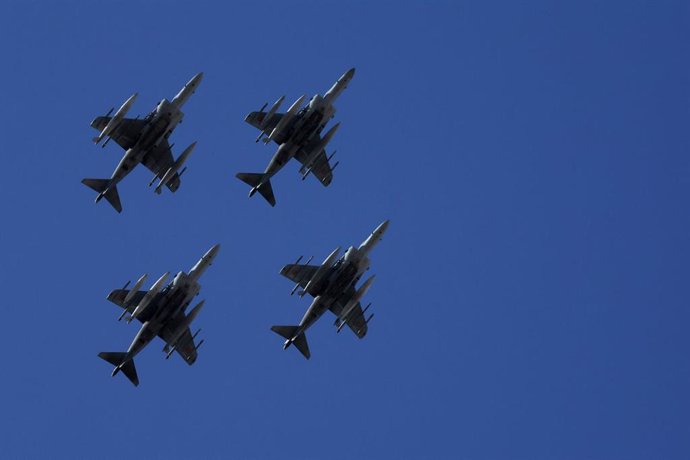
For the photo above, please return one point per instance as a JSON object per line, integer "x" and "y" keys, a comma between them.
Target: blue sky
{"x": 531, "y": 296}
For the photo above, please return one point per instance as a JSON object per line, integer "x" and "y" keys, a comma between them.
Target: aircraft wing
{"x": 159, "y": 160}
{"x": 355, "y": 320}
{"x": 118, "y": 298}
{"x": 255, "y": 119}
{"x": 127, "y": 132}
{"x": 321, "y": 169}
{"x": 299, "y": 273}
{"x": 186, "y": 347}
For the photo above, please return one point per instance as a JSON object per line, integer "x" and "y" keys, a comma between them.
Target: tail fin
{"x": 116, "y": 358}
{"x": 103, "y": 186}
{"x": 264, "y": 189}
{"x": 289, "y": 333}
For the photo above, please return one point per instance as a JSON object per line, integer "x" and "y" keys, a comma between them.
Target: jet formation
{"x": 332, "y": 285}
{"x": 144, "y": 141}
{"x": 161, "y": 310}
{"x": 298, "y": 135}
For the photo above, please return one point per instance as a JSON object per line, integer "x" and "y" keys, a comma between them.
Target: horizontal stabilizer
{"x": 287, "y": 332}
{"x": 97, "y": 185}
{"x": 300, "y": 341}
{"x": 265, "y": 188}
{"x": 302, "y": 346}
{"x": 113, "y": 358}
{"x": 102, "y": 186}
{"x": 116, "y": 358}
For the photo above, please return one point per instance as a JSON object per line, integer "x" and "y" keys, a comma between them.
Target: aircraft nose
{"x": 349, "y": 74}
{"x": 213, "y": 251}
{"x": 196, "y": 79}
{"x": 383, "y": 227}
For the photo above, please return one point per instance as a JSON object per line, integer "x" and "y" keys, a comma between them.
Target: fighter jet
{"x": 145, "y": 141}
{"x": 298, "y": 134}
{"x": 162, "y": 312}
{"x": 332, "y": 285}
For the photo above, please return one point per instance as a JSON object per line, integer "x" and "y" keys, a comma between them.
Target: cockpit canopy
{"x": 316, "y": 101}
{"x": 180, "y": 278}
{"x": 349, "y": 254}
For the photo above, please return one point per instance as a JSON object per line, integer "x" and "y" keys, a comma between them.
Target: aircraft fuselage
{"x": 162, "y": 122}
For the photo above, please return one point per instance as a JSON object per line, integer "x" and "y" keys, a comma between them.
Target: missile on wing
{"x": 327, "y": 138}
{"x": 135, "y": 288}
{"x": 173, "y": 169}
{"x": 268, "y": 116}
{"x": 306, "y": 173}
{"x": 272, "y": 111}
{"x": 185, "y": 324}
{"x": 359, "y": 331}
{"x": 350, "y": 305}
{"x": 193, "y": 312}
{"x": 321, "y": 271}
{"x": 169, "y": 352}
{"x": 311, "y": 161}
{"x": 117, "y": 118}
{"x": 130, "y": 294}
{"x": 148, "y": 297}
{"x": 155, "y": 176}
{"x": 297, "y": 285}
{"x": 287, "y": 117}
{"x": 174, "y": 347}
{"x": 342, "y": 319}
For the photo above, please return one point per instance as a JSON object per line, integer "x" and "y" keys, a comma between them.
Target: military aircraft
{"x": 145, "y": 141}
{"x": 332, "y": 284}
{"x": 298, "y": 134}
{"x": 162, "y": 312}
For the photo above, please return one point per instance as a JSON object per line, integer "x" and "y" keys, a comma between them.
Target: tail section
{"x": 301, "y": 344}
{"x": 288, "y": 332}
{"x": 127, "y": 368}
{"x": 259, "y": 183}
{"x": 105, "y": 189}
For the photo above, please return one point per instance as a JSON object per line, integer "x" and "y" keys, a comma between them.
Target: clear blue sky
{"x": 532, "y": 290}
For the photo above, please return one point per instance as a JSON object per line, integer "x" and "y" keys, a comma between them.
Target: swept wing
{"x": 186, "y": 347}
{"x": 355, "y": 320}
{"x": 185, "y": 344}
{"x": 299, "y": 273}
{"x": 118, "y": 298}
{"x": 159, "y": 160}
{"x": 126, "y": 134}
